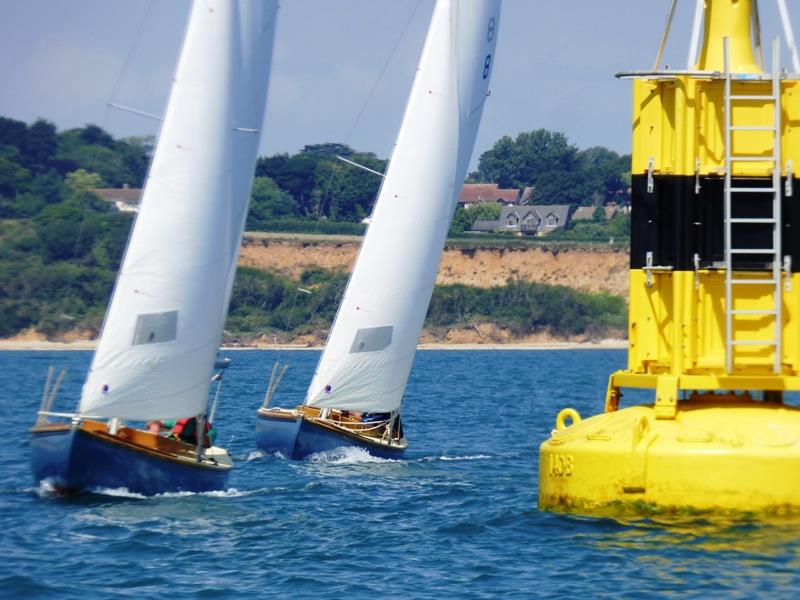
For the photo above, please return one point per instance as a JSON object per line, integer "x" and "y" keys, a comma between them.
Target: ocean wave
{"x": 118, "y": 493}
{"x": 46, "y": 489}
{"x": 347, "y": 456}
{"x": 255, "y": 455}
{"x": 465, "y": 457}
{"x": 229, "y": 493}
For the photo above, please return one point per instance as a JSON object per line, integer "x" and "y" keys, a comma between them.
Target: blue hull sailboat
{"x": 163, "y": 327}
{"x": 356, "y": 394}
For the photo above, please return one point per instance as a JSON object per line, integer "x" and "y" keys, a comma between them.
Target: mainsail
{"x": 164, "y": 323}
{"x": 371, "y": 347}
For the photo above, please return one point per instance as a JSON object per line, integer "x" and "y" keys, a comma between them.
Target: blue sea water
{"x": 456, "y": 518}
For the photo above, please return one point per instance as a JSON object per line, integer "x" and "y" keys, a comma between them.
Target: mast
{"x": 371, "y": 347}
{"x": 164, "y": 323}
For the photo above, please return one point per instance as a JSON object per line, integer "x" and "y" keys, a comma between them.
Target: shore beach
{"x": 607, "y": 344}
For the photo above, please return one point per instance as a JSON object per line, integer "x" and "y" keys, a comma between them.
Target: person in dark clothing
{"x": 185, "y": 430}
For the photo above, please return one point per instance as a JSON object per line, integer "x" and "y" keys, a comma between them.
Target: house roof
{"x": 473, "y": 193}
{"x": 540, "y": 212}
{"x": 483, "y": 225}
{"x": 583, "y": 213}
{"x": 125, "y": 195}
{"x": 535, "y": 215}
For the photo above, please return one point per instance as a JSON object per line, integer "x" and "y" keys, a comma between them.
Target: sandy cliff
{"x": 586, "y": 268}
{"x": 593, "y": 269}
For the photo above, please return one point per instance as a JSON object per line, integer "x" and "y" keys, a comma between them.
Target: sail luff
{"x": 368, "y": 357}
{"x": 164, "y": 322}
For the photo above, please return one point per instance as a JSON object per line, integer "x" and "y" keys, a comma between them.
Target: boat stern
{"x": 277, "y": 430}
{"x": 51, "y": 452}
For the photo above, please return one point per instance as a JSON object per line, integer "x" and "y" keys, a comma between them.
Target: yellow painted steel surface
{"x": 680, "y": 118}
{"x": 677, "y": 121}
{"x": 703, "y": 444}
{"x": 737, "y": 455}
{"x": 678, "y": 324}
{"x": 731, "y": 19}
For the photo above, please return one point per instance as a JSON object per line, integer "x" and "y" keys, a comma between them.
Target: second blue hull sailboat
{"x": 299, "y": 433}
{"x": 356, "y": 395}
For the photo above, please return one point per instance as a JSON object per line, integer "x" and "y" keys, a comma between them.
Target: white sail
{"x": 164, "y": 323}
{"x": 371, "y": 347}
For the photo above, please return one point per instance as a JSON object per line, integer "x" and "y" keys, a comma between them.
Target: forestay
{"x": 368, "y": 356}
{"x": 164, "y": 324}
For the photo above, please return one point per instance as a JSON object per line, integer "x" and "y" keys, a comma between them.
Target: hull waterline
{"x": 297, "y": 437}
{"x": 74, "y": 459}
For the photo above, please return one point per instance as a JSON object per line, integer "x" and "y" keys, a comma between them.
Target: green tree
{"x": 322, "y": 185}
{"x": 80, "y": 182}
{"x": 329, "y": 150}
{"x": 559, "y": 173}
{"x": 522, "y": 161}
{"x": 65, "y": 231}
{"x": 464, "y": 219}
{"x": 606, "y": 171}
{"x": 269, "y": 202}
{"x": 39, "y": 146}
{"x": 92, "y": 149}
{"x": 13, "y": 177}
{"x": 12, "y": 132}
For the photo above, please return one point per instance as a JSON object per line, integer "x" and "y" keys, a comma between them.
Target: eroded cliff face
{"x": 590, "y": 269}
{"x": 586, "y": 268}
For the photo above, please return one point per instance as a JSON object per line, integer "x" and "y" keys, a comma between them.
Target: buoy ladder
{"x": 736, "y": 279}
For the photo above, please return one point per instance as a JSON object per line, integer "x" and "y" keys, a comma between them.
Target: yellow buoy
{"x": 714, "y": 320}
{"x": 718, "y": 453}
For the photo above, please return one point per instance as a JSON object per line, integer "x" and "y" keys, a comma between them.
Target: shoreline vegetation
{"x": 61, "y": 244}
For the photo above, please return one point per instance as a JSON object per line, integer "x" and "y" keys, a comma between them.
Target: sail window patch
{"x": 155, "y": 328}
{"x": 372, "y": 339}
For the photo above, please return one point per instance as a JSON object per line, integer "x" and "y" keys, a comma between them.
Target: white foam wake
{"x": 46, "y": 488}
{"x": 466, "y": 457}
{"x": 125, "y": 493}
{"x": 347, "y": 455}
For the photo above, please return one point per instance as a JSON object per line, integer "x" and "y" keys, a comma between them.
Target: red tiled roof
{"x": 472, "y": 193}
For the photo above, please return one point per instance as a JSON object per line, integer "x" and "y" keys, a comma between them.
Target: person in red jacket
{"x": 185, "y": 430}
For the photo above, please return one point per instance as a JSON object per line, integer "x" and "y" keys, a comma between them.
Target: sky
{"x": 342, "y": 69}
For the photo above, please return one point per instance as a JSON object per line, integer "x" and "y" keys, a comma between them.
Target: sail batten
{"x": 394, "y": 274}
{"x": 164, "y": 322}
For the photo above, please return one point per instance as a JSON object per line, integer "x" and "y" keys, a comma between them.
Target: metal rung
{"x": 770, "y": 288}
{"x": 752, "y": 128}
{"x": 738, "y": 220}
{"x": 769, "y": 98}
{"x": 753, "y": 281}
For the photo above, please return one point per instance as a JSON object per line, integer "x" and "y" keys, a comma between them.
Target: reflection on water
{"x": 712, "y": 553}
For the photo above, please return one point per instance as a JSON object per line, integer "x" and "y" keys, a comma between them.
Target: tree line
{"x": 61, "y": 246}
